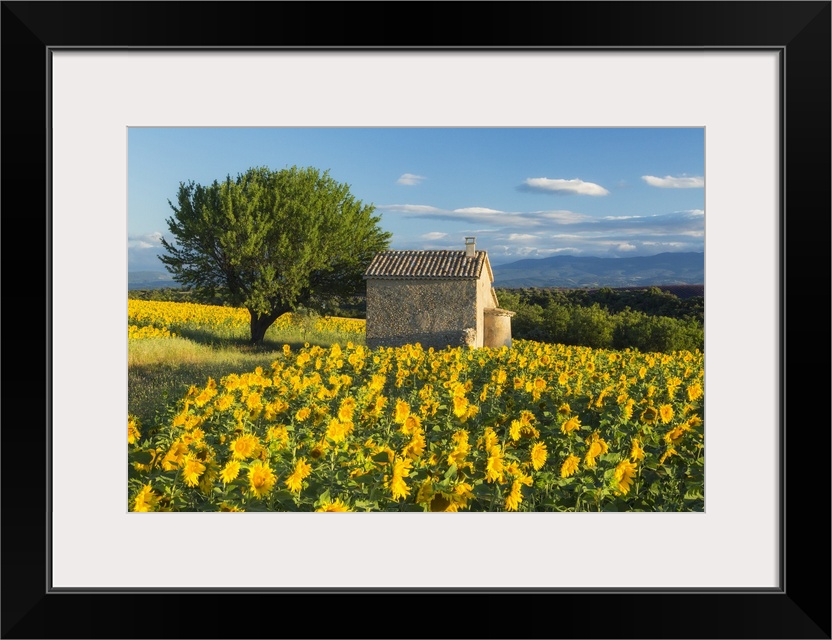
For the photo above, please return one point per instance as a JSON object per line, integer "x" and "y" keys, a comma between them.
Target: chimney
{"x": 470, "y": 247}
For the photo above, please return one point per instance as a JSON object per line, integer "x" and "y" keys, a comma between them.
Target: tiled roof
{"x": 426, "y": 265}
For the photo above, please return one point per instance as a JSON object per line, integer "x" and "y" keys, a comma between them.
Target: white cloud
{"x": 567, "y": 236}
{"x": 484, "y": 215}
{"x": 410, "y": 179}
{"x": 144, "y": 240}
{"x": 559, "y": 186}
{"x": 563, "y": 217}
{"x": 671, "y": 182}
{"x": 527, "y": 232}
{"x": 477, "y": 210}
{"x": 143, "y": 251}
{"x": 413, "y": 209}
{"x": 476, "y": 215}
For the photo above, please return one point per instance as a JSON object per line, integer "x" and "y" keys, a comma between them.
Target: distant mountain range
{"x": 558, "y": 271}
{"x": 150, "y": 280}
{"x": 579, "y": 272}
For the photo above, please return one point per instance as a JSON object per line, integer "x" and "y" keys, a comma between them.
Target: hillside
{"x": 149, "y": 280}
{"x": 664, "y": 269}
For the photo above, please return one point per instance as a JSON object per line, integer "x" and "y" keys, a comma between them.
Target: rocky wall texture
{"x": 433, "y": 312}
{"x": 427, "y": 340}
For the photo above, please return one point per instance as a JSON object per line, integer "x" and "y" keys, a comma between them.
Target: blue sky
{"x": 523, "y": 192}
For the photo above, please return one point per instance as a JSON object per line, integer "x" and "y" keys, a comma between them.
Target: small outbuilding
{"x": 436, "y": 298}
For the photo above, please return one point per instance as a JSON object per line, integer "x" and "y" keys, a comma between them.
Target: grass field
{"x": 209, "y": 342}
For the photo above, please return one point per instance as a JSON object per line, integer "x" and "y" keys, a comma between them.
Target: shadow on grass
{"x": 210, "y": 338}
{"x": 274, "y": 342}
{"x": 154, "y": 391}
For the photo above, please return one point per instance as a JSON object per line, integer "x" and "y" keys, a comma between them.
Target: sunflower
{"x": 670, "y": 452}
{"x": 494, "y": 466}
{"x": 279, "y": 435}
{"x": 230, "y": 471}
{"x": 416, "y": 446}
{"x": 253, "y": 402}
{"x": 261, "y": 479}
{"x": 489, "y": 438}
{"x": 461, "y": 447}
{"x": 569, "y": 466}
{"x": 649, "y": 415}
{"x": 174, "y": 456}
{"x": 666, "y": 413}
{"x": 514, "y": 498}
{"x": 694, "y": 391}
{"x": 347, "y": 409}
{"x": 463, "y": 492}
{"x": 460, "y": 406}
{"x": 244, "y": 446}
{"x": 191, "y": 470}
{"x": 636, "y": 451}
{"x": 336, "y": 505}
{"x": 425, "y": 492}
{"x": 401, "y": 469}
{"x": 597, "y": 446}
{"x": 675, "y": 434}
{"x": 526, "y": 418}
{"x": 538, "y": 455}
{"x": 572, "y": 424}
{"x": 224, "y": 402}
{"x": 318, "y": 450}
{"x": 132, "y": 430}
{"x": 295, "y": 480}
{"x": 145, "y": 499}
{"x": 338, "y": 431}
{"x": 402, "y": 411}
{"x": 624, "y": 474}
{"x": 412, "y": 424}
{"x": 627, "y": 409}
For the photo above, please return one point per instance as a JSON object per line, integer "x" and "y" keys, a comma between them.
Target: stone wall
{"x": 435, "y": 313}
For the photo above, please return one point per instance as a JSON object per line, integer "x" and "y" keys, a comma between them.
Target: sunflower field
{"x": 157, "y": 319}
{"x": 533, "y": 427}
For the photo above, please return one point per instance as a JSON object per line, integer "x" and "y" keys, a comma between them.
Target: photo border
{"x": 799, "y": 30}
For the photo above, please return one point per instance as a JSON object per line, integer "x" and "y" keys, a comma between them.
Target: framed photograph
{"x": 753, "y": 76}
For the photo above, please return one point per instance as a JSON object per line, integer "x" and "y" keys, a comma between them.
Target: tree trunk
{"x": 261, "y": 322}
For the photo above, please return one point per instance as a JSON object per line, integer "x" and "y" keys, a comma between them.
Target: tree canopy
{"x": 270, "y": 241}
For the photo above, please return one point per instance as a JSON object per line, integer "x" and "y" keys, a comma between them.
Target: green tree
{"x": 270, "y": 241}
{"x": 589, "y": 327}
{"x": 527, "y": 324}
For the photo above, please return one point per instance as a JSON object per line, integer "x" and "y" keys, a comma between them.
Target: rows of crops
{"x": 534, "y": 427}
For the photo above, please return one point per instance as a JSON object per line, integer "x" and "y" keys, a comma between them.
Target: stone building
{"x": 436, "y": 298}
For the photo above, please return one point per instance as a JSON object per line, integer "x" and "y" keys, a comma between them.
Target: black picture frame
{"x": 800, "y": 608}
